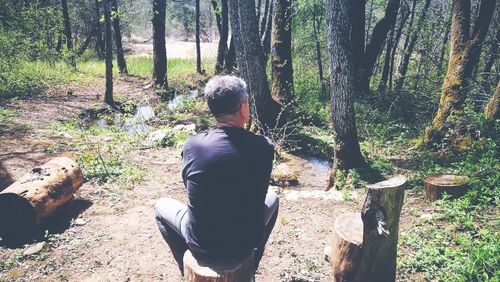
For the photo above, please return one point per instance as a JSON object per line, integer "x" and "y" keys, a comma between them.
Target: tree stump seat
{"x": 436, "y": 185}
{"x": 203, "y": 270}
{"x": 364, "y": 245}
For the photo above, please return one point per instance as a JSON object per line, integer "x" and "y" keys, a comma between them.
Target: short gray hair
{"x": 225, "y": 94}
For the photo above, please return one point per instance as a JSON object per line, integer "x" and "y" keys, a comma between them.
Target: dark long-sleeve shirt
{"x": 226, "y": 172}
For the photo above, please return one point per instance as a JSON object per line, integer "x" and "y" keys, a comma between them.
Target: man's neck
{"x": 230, "y": 123}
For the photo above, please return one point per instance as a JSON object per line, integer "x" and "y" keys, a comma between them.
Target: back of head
{"x": 225, "y": 94}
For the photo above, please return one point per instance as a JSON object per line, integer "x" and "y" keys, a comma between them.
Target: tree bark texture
{"x": 223, "y": 26}
{"x": 197, "y": 37}
{"x": 122, "y": 65}
{"x": 108, "y": 95}
{"x": 159, "y": 48}
{"x": 464, "y": 55}
{"x": 281, "y": 54}
{"x": 358, "y": 10}
{"x": 200, "y": 270}
{"x": 347, "y": 152}
{"x": 364, "y": 248}
{"x": 29, "y": 201}
{"x": 248, "y": 50}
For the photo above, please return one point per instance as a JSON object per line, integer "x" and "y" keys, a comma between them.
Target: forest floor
{"x": 116, "y": 238}
{"x": 108, "y": 233}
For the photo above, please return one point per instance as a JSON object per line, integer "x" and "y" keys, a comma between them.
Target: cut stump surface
{"x": 436, "y": 185}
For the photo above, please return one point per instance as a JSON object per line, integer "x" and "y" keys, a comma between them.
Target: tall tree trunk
{"x": 387, "y": 63}
{"x": 230, "y": 60}
{"x": 403, "y": 67}
{"x": 399, "y": 33}
{"x": 316, "y": 28}
{"x": 67, "y": 32}
{"x": 493, "y": 52}
{"x": 122, "y": 66}
{"x": 99, "y": 47}
{"x": 463, "y": 57}
{"x": 67, "y": 25}
{"x": 264, "y": 18}
{"x": 491, "y": 110}
{"x": 223, "y": 26}
{"x": 357, "y": 33}
{"x": 108, "y": 95}
{"x": 159, "y": 48}
{"x": 410, "y": 25}
{"x": 369, "y": 27}
{"x": 281, "y": 59}
{"x": 374, "y": 48}
{"x": 266, "y": 35}
{"x": 347, "y": 153}
{"x": 197, "y": 35}
{"x": 446, "y": 37}
{"x": 246, "y": 38}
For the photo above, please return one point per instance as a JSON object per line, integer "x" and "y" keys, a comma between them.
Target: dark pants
{"x": 172, "y": 217}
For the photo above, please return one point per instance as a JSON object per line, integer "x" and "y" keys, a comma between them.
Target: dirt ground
{"x": 116, "y": 238}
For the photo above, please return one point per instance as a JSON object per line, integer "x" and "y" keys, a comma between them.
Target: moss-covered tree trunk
{"x": 281, "y": 52}
{"x": 347, "y": 153}
{"x": 464, "y": 55}
{"x": 491, "y": 110}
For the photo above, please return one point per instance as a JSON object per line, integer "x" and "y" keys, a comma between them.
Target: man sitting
{"x": 226, "y": 171}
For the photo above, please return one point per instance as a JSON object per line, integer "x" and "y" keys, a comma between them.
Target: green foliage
{"x": 6, "y": 116}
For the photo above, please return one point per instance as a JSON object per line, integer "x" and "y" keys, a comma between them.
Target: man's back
{"x": 226, "y": 172}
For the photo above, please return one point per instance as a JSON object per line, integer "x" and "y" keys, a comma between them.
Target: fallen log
{"x": 436, "y": 185}
{"x": 202, "y": 270}
{"x": 364, "y": 245}
{"x": 29, "y": 201}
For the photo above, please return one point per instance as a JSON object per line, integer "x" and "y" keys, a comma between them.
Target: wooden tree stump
{"x": 364, "y": 245}
{"x": 29, "y": 201}
{"x": 436, "y": 185}
{"x": 200, "y": 270}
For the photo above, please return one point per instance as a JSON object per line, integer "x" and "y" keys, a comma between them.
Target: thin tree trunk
{"x": 387, "y": 63}
{"x": 122, "y": 65}
{"x": 446, "y": 37}
{"x": 374, "y": 48}
{"x": 264, "y": 18}
{"x": 403, "y": 67}
{"x": 399, "y": 33}
{"x": 67, "y": 25}
{"x": 223, "y": 26}
{"x": 159, "y": 48}
{"x": 266, "y": 36}
{"x": 463, "y": 58}
{"x": 316, "y": 28}
{"x": 491, "y": 110}
{"x": 100, "y": 48}
{"x": 198, "y": 48}
{"x": 108, "y": 96}
{"x": 281, "y": 59}
{"x": 410, "y": 25}
{"x": 370, "y": 16}
{"x": 67, "y": 32}
{"x": 493, "y": 52}
{"x": 246, "y": 38}
{"x": 230, "y": 61}
{"x": 347, "y": 153}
